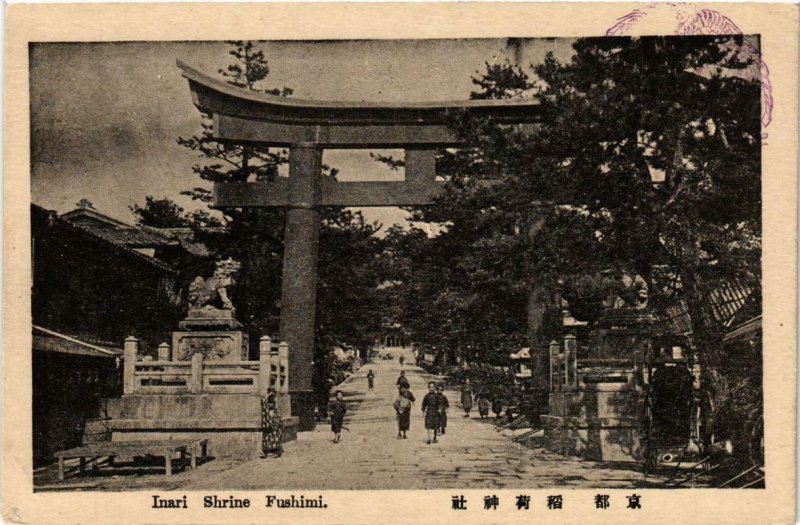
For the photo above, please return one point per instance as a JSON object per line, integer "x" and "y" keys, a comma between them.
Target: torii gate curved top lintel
{"x": 418, "y": 128}
{"x": 307, "y": 127}
{"x": 245, "y": 115}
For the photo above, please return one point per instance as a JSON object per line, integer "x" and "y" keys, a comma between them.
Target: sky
{"x": 105, "y": 116}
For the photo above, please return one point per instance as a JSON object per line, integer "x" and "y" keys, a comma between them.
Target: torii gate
{"x": 307, "y": 127}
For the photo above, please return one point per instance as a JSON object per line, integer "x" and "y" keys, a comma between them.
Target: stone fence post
{"x": 163, "y": 352}
{"x": 554, "y": 351}
{"x": 571, "y": 361}
{"x": 196, "y": 380}
{"x": 283, "y": 369}
{"x": 129, "y": 371}
{"x": 264, "y": 365}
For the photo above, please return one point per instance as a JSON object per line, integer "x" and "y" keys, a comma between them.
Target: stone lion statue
{"x": 206, "y": 294}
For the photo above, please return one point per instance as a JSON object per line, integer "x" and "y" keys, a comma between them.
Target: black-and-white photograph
{"x": 398, "y": 264}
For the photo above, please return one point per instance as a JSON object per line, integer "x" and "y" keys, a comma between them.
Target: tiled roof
{"x": 116, "y": 231}
{"x": 186, "y": 237}
{"x": 120, "y": 233}
{"x": 722, "y": 306}
{"x": 82, "y": 214}
{"x": 744, "y": 331}
{"x": 50, "y": 341}
{"x": 128, "y": 249}
{"x": 131, "y": 237}
{"x": 121, "y": 236}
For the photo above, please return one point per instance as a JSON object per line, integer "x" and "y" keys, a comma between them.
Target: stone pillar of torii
{"x": 306, "y": 128}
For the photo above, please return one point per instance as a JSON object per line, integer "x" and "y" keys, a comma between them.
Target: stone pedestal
{"x": 595, "y": 402}
{"x": 231, "y": 422}
{"x": 212, "y": 332}
{"x": 210, "y": 319}
{"x": 217, "y": 345}
{"x": 204, "y": 386}
{"x": 597, "y": 425}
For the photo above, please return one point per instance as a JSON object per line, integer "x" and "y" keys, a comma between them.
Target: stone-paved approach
{"x": 472, "y": 454}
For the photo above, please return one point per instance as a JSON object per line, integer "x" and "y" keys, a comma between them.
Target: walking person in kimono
{"x": 371, "y": 379}
{"x": 497, "y": 406}
{"x": 430, "y": 407}
{"x": 271, "y": 426}
{"x": 336, "y": 411}
{"x": 444, "y": 405}
{"x": 402, "y": 406}
{"x": 483, "y": 405}
{"x": 466, "y": 397}
{"x": 403, "y": 380}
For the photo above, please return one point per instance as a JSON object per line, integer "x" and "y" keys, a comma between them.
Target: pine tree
{"x": 348, "y": 268}
{"x": 647, "y": 161}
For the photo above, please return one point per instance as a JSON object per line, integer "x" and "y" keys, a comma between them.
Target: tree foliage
{"x": 647, "y": 161}
{"x": 662, "y": 145}
{"x": 165, "y": 213}
{"x": 348, "y": 266}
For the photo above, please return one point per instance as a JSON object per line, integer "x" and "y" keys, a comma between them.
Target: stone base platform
{"x": 598, "y": 439}
{"x": 230, "y": 422}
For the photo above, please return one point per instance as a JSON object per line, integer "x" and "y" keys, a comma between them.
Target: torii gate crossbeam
{"x": 307, "y": 128}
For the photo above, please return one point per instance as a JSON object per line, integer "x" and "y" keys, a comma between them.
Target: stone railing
{"x": 568, "y": 373}
{"x": 201, "y": 376}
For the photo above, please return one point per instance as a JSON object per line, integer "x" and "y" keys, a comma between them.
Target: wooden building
{"x": 100, "y": 278}
{"x": 70, "y": 377}
{"x": 96, "y": 281}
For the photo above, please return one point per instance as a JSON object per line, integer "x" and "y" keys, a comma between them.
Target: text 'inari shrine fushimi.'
{"x": 306, "y": 128}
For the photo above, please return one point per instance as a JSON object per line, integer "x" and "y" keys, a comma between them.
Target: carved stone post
{"x": 196, "y": 380}
{"x": 129, "y": 371}
{"x": 283, "y": 359}
{"x": 569, "y": 341}
{"x": 282, "y": 380}
{"x": 264, "y": 365}
{"x": 554, "y": 349}
{"x": 163, "y": 352}
{"x": 571, "y": 360}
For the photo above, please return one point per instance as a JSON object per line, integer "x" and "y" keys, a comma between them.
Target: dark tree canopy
{"x": 647, "y": 162}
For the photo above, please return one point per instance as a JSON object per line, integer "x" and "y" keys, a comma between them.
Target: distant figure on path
{"x": 497, "y": 406}
{"x": 336, "y": 410}
{"x": 430, "y": 407}
{"x": 403, "y": 380}
{"x": 271, "y": 426}
{"x": 371, "y": 379}
{"x": 483, "y": 405}
{"x": 402, "y": 406}
{"x": 466, "y": 397}
{"x": 444, "y": 404}
{"x": 402, "y": 359}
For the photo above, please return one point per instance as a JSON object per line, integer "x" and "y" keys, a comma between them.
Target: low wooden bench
{"x": 111, "y": 449}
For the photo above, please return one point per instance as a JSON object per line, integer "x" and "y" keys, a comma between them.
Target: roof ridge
{"x": 75, "y": 340}
{"x": 151, "y": 260}
{"x": 96, "y": 214}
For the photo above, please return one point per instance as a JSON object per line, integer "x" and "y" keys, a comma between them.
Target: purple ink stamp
{"x": 687, "y": 19}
